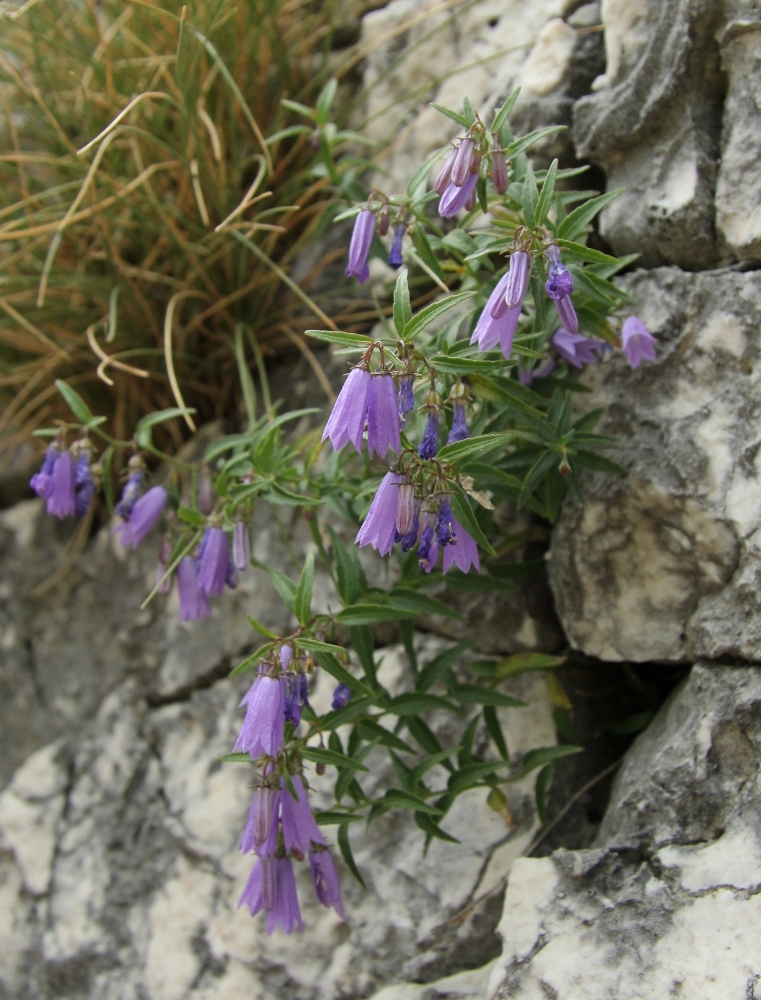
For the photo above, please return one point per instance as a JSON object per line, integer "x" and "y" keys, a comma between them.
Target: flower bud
{"x": 463, "y": 161}
{"x": 383, "y": 222}
{"x": 445, "y": 174}
{"x": 517, "y": 279}
{"x": 320, "y": 768}
{"x": 205, "y": 491}
{"x": 269, "y": 883}
{"x": 499, "y": 171}
{"x": 405, "y": 511}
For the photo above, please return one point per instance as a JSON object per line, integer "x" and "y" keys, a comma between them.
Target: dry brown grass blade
{"x": 106, "y": 359}
{"x": 31, "y": 328}
{"x": 168, "y": 353}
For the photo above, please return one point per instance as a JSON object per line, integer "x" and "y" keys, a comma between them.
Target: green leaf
{"x": 430, "y": 828}
{"x": 239, "y": 757}
{"x": 495, "y": 731}
{"x": 330, "y": 664}
{"x": 471, "y": 446}
{"x": 451, "y": 364}
{"x": 412, "y": 601}
{"x": 319, "y": 755}
{"x": 500, "y": 116}
{"x": 144, "y": 426}
{"x": 548, "y": 191}
{"x": 402, "y": 307}
{"x": 300, "y": 109}
{"x": 302, "y": 605}
{"x": 420, "y": 770}
{"x": 597, "y": 463}
{"x": 334, "y": 720}
{"x": 350, "y": 576}
{"x": 546, "y": 755}
{"x": 471, "y": 774}
{"x": 540, "y": 792}
{"x": 580, "y": 217}
{"x": 472, "y": 694}
{"x": 74, "y": 401}
{"x": 325, "y": 100}
{"x": 521, "y": 663}
{"x": 412, "y": 703}
{"x": 423, "y": 246}
{"x": 454, "y": 115}
{"x": 370, "y": 614}
{"x": 244, "y": 376}
{"x": 464, "y": 514}
{"x": 632, "y": 724}
{"x": 285, "y": 587}
{"x": 481, "y": 193}
{"x": 432, "y": 312}
{"x": 279, "y": 495}
{"x": 399, "y": 798}
{"x": 340, "y": 338}
{"x": 421, "y": 173}
{"x": 316, "y": 646}
{"x": 332, "y": 818}
{"x": 345, "y": 847}
{"x": 261, "y": 628}
{"x": 530, "y": 197}
{"x": 422, "y": 733}
{"x": 251, "y": 661}
{"x": 576, "y": 251}
{"x": 362, "y": 641}
{"x": 440, "y": 664}
{"x": 521, "y": 145}
{"x": 189, "y": 516}
{"x": 369, "y": 729}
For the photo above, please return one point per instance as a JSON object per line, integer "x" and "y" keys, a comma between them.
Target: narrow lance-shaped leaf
{"x": 303, "y": 600}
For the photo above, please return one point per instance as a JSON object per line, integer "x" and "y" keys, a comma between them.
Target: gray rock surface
{"x": 669, "y": 902}
{"x": 664, "y": 564}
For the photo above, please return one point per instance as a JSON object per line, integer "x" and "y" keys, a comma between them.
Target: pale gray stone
{"x": 664, "y": 563}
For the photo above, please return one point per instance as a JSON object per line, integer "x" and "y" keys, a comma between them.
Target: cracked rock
{"x": 669, "y": 901}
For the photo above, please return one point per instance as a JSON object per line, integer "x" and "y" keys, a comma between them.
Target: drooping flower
{"x": 283, "y": 909}
{"x": 444, "y": 176}
{"x": 60, "y": 498}
{"x": 497, "y": 323}
{"x": 299, "y": 828}
{"x": 341, "y": 696}
{"x": 463, "y": 552}
{"x": 409, "y": 541}
{"x": 463, "y": 162}
{"x": 262, "y": 731}
{"x": 429, "y": 443}
{"x": 395, "y": 253}
{"x": 145, "y": 513}
{"x": 459, "y": 431}
{"x": 455, "y": 198}
{"x": 241, "y": 546}
{"x": 428, "y": 550}
{"x": 325, "y": 879}
{"x": 194, "y": 604}
{"x": 499, "y": 171}
{"x": 359, "y": 247}
{"x": 383, "y": 417}
{"x": 347, "y": 419}
{"x": 446, "y": 532}
{"x": 42, "y": 481}
{"x": 517, "y": 278}
{"x": 130, "y": 494}
{"x": 559, "y": 287}
{"x": 295, "y": 697}
{"x": 637, "y": 343}
{"x": 260, "y": 834}
{"x": 405, "y": 512}
{"x": 213, "y": 562}
{"x": 406, "y": 396}
{"x": 567, "y": 314}
{"x": 84, "y": 485}
{"x": 574, "y": 347}
{"x": 379, "y": 526}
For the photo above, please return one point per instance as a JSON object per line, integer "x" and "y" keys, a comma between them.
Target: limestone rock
{"x": 664, "y": 564}
{"x": 654, "y": 124}
{"x": 669, "y": 902}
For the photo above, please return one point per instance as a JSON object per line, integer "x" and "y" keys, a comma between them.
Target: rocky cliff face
{"x": 119, "y": 874}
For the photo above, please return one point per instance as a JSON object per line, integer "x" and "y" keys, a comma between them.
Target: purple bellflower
{"x": 282, "y": 910}
{"x": 341, "y": 696}
{"x": 194, "y": 604}
{"x": 57, "y": 487}
{"x": 383, "y": 417}
{"x": 325, "y": 879}
{"x": 130, "y": 493}
{"x": 262, "y": 731}
{"x": 395, "y": 253}
{"x": 359, "y": 247}
{"x": 379, "y": 527}
{"x": 497, "y": 324}
{"x": 559, "y": 287}
{"x": 296, "y": 697}
{"x": 405, "y": 511}
{"x": 459, "y": 431}
{"x": 445, "y": 174}
{"x": 84, "y": 487}
{"x": 42, "y": 481}
{"x": 410, "y": 539}
{"x": 347, "y": 419}
{"x": 463, "y": 162}
{"x": 299, "y": 828}
{"x": 576, "y": 349}
{"x": 406, "y": 397}
{"x": 499, "y": 171}
{"x": 429, "y": 443}
{"x": 517, "y": 278}
{"x": 455, "y": 198}
{"x": 428, "y": 550}
{"x": 213, "y": 562}
{"x": 446, "y": 533}
{"x": 144, "y": 515}
{"x": 637, "y": 343}
{"x": 463, "y": 552}
{"x": 241, "y": 546}
{"x": 260, "y": 834}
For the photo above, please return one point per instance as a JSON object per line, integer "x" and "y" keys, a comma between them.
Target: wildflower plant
{"x": 463, "y": 401}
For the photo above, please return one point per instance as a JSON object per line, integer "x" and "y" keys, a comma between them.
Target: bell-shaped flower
{"x": 299, "y": 828}
{"x": 145, "y": 513}
{"x": 325, "y": 879}
{"x": 263, "y": 728}
{"x": 213, "y": 562}
{"x": 347, "y": 419}
{"x": 194, "y": 604}
{"x": 383, "y": 431}
{"x": 637, "y": 343}
{"x": 272, "y": 887}
{"x": 359, "y": 247}
{"x": 517, "y": 278}
{"x": 379, "y": 526}
{"x": 463, "y": 551}
{"x": 455, "y": 198}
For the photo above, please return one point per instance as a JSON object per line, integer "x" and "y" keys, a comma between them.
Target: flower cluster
{"x": 66, "y": 482}
{"x": 281, "y": 828}
{"x": 368, "y": 220}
